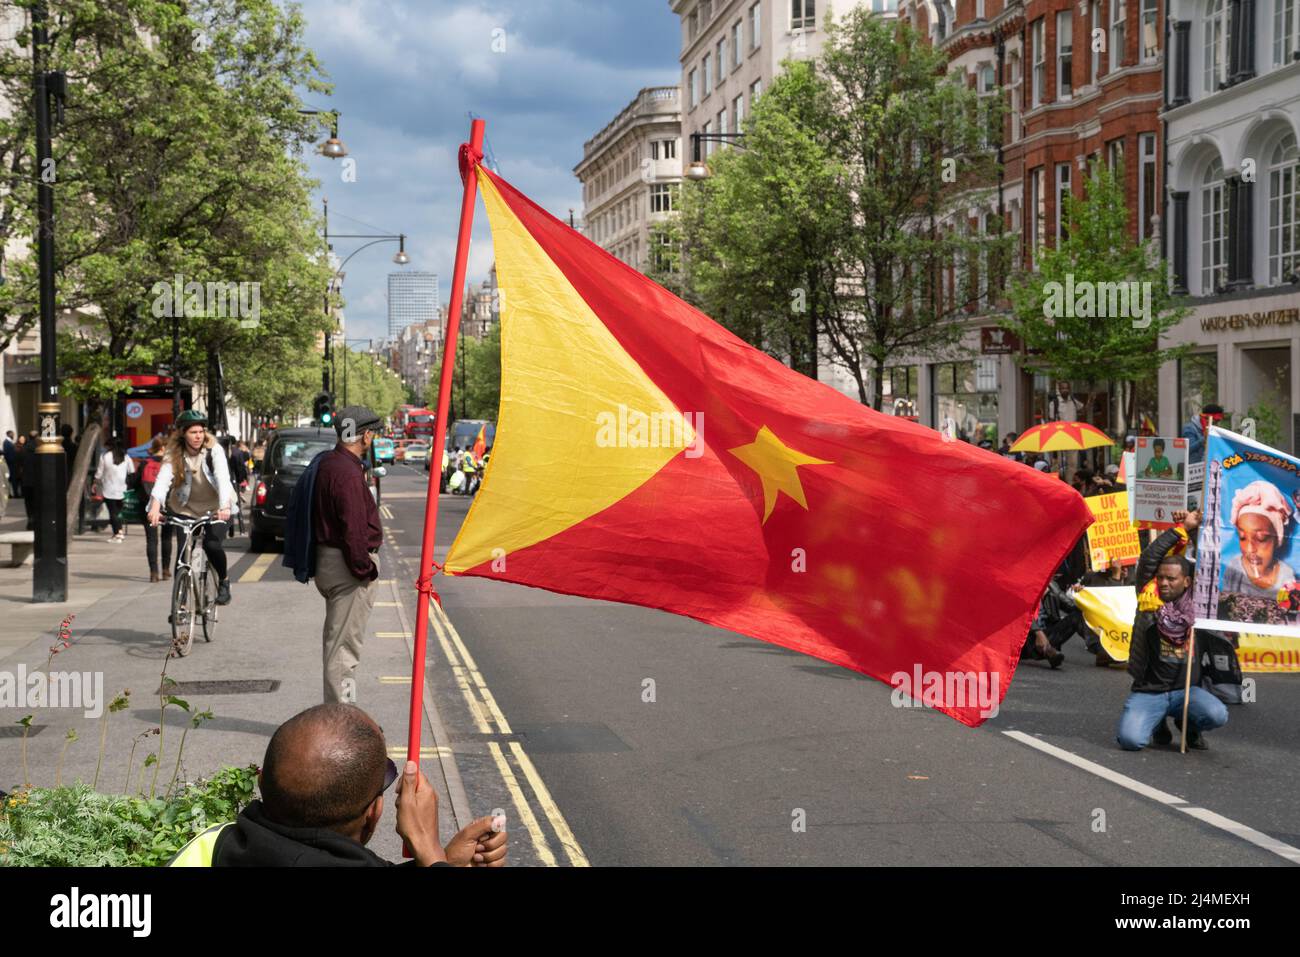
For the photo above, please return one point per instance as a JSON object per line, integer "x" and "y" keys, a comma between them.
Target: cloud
{"x": 408, "y": 73}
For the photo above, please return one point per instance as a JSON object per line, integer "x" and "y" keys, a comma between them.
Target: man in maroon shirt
{"x": 345, "y": 521}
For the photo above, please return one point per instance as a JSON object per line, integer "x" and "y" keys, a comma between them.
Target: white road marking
{"x": 1258, "y": 838}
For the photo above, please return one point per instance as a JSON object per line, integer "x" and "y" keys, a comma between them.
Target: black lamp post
{"x": 50, "y": 571}
{"x": 698, "y": 169}
{"x": 400, "y": 258}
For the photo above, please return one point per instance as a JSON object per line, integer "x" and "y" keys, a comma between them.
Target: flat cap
{"x": 355, "y": 419}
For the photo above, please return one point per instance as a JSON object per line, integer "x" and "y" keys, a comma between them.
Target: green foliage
{"x": 175, "y": 158}
{"x": 369, "y": 382}
{"x": 1097, "y": 248}
{"x": 74, "y": 826}
{"x": 825, "y": 227}
{"x": 478, "y": 366}
{"x": 1268, "y": 423}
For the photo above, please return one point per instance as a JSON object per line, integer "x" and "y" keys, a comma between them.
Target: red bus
{"x": 416, "y": 423}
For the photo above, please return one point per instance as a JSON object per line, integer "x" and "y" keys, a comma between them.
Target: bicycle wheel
{"x": 184, "y": 610}
{"x": 208, "y": 594}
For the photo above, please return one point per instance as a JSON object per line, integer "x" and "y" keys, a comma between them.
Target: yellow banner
{"x": 1269, "y": 654}
{"x": 1112, "y": 536}
{"x": 1109, "y": 611}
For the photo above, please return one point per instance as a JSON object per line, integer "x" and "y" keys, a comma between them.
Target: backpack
{"x": 299, "y": 533}
{"x": 1220, "y": 670}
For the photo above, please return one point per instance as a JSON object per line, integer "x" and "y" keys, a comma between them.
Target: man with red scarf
{"x": 1158, "y": 657}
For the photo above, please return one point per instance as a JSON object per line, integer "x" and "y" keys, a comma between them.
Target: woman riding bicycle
{"x": 204, "y": 487}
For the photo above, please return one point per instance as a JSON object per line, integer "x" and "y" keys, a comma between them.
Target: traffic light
{"x": 323, "y": 409}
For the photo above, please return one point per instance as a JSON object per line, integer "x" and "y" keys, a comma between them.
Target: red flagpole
{"x": 470, "y": 154}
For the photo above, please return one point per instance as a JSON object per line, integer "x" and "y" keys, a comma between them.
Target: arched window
{"x": 1214, "y": 231}
{"x": 1283, "y": 211}
{"x": 1216, "y": 45}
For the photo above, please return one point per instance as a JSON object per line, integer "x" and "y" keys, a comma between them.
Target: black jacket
{"x": 254, "y": 841}
{"x": 1144, "y": 647}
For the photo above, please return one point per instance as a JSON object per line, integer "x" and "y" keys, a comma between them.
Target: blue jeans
{"x": 1144, "y": 711}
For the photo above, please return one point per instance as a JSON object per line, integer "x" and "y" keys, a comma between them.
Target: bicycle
{"x": 194, "y": 585}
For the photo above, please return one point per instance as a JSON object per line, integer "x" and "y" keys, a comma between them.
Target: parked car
{"x": 385, "y": 450}
{"x": 288, "y": 453}
{"x": 417, "y": 451}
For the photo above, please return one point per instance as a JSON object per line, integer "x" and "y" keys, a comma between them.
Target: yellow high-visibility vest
{"x": 198, "y": 852}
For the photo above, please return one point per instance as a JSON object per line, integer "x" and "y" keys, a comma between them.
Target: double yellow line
{"x": 484, "y": 710}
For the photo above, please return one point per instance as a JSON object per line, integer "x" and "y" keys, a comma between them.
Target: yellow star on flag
{"x": 777, "y": 467}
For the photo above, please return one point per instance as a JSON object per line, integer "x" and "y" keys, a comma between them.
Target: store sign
{"x": 998, "y": 342}
{"x": 1250, "y": 320}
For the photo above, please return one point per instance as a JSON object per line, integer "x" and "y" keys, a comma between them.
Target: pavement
{"x": 614, "y": 735}
{"x": 270, "y": 634}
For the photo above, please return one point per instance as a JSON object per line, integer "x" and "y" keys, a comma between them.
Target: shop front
{"x": 1243, "y": 358}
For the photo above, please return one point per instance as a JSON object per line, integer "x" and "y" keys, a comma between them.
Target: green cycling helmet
{"x": 190, "y": 417}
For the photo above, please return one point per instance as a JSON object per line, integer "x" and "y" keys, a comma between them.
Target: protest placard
{"x": 1112, "y": 536}
{"x": 1248, "y": 547}
{"x": 1159, "y": 481}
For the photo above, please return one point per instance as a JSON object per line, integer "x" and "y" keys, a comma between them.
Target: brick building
{"x": 1069, "y": 100}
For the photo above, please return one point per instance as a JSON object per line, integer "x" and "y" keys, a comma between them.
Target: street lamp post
{"x": 400, "y": 258}
{"x": 50, "y": 569}
{"x": 370, "y": 346}
{"x": 698, "y": 168}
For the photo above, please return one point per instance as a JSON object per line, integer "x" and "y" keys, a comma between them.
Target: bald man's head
{"x": 323, "y": 767}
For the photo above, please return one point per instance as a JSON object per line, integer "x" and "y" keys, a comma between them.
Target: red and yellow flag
{"x": 718, "y": 483}
{"x": 480, "y": 443}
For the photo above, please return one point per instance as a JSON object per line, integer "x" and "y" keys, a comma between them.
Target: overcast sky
{"x": 408, "y": 73}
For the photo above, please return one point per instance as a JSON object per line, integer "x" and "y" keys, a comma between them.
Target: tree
{"x": 780, "y": 191}
{"x": 832, "y": 231}
{"x": 478, "y": 366}
{"x": 1099, "y": 303}
{"x": 890, "y": 95}
{"x": 369, "y": 382}
{"x": 175, "y": 165}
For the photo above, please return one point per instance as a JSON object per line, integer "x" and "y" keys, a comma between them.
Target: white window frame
{"x": 693, "y": 82}
{"x": 1038, "y": 48}
{"x": 738, "y": 109}
{"x": 1286, "y": 31}
{"x": 1147, "y": 159}
{"x": 706, "y": 68}
{"x": 720, "y": 68}
{"x": 1062, "y": 180}
{"x": 1148, "y": 29}
{"x": 708, "y": 144}
{"x": 737, "y": 38}
{"x": 979, "y": 9}
{"x": 661, "y": 198}
{"x": 1216, "y": 37}
{"x": 1118, "y": 29}
{"x": 1094, "y": 25}
{"x": 722, "y": 123}
{"x": 1064, "y": 54}
{"x": 1283, "y": 211}
{"x": 1037, "y": 213}
{"x": 1214, "y": 230}
{"x": 803, "y": 15}
{"x": 756, "y": 26}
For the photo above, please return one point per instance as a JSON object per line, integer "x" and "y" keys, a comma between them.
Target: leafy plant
{"x": 26, "y": 722}
{"x": 75, "y": 826}
{"x": 119, "y": 703}
{"x": 68, "y": 739}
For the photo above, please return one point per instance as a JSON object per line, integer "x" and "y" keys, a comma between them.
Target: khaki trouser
{"x": 348, "y": 601}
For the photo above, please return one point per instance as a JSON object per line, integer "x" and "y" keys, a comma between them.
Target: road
{"x": 657, "y": 740}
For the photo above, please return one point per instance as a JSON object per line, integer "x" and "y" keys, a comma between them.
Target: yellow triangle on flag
{"x": 563, "y": 375}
